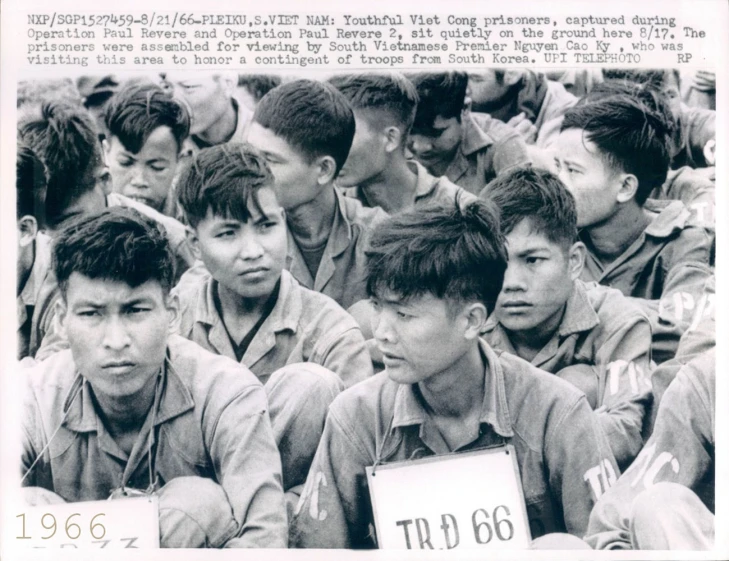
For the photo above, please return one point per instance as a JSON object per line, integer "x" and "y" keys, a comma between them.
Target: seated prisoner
{"x": 146, "y": 129}
{"x": 447, "y": 139}
{"x": 377, "y": 171}
{"x": 248, "y": 308}
{"x": 446, "y": 390}
{"x": 587, "y": 334}
{"x": 65, "y": 140}
{"x": 131, "y": 407}
{"x": 34, "y": 247}
{"x": 666, "y": 499}
{"x": 611, "y": 153}
{"x": 304, "y": 129}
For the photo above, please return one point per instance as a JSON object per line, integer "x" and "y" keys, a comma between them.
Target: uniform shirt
{"x": 211, "y": 421}
{"x": 694, "y": 188}
{"x": 488, "y": 148}
{"x": 341, "y": 274}
{"x": 564, "y": 460}
{"x": 36, "y": 301}
{"x": 681, "y": 450}
{"x": 428, "y": 189}
{"x": 603, "y": 346}
{"x": 664, "y": 270}
{"x": 304, "y": 326}
{"x": 47, "y": 338}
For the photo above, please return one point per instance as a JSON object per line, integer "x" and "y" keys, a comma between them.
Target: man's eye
{"x": 125, "y": 163}
{"x": 88, "y": 313}
{"x": 225, "y": 234}
{"x": 403, "y": 315}
{"x": 159, "y": 168}
{"x": 533, "y": 260}
{"x": 138, "y": 310}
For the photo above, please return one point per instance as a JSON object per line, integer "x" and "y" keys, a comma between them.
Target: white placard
{"x": 464, "y": 501}
{"x": 121, "y": 523}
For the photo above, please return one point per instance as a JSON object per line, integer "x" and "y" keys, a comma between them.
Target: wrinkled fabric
{"x": 211, "y": 422}
{"x": 681, "y": 450}
{"x": 664, "y": 270}
{"x": 378, "y": 420}
{"x": 602, "y": 346}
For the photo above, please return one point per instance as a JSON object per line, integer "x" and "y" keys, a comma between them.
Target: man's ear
{"x": 193, "y": 241}
{"x": 61, "y": 315}
{"x": 394, "y": 139}
{"x": 628, "y": 187}
{"x": 327, "y": 169}
{"x": 173, "y": 309}
{"x": 475, "y": 315}
{"x": 228, "y": 81}
{"x": 106, "y": 145}
{"x": 28, "y": 230}
{"x": 577, "y": 254}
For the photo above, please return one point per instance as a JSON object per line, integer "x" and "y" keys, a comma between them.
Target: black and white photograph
{"x": 446, "y": 308}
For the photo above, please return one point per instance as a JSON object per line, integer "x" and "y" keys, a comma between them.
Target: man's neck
{"x": 223, "y": 129}
{"x": 394, "y": 189}
{"x": 311, "y": 223}
{"x": 612, "y": 238}
{"x": 458, "y": 391}
{"x": 240, "y": 314}
{"x": 124, "y": 415}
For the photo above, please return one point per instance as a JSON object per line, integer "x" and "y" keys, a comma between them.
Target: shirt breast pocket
{"x": 181, "y": 451}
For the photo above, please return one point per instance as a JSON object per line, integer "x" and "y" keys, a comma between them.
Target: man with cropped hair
{"x": 611, "y": 154}
{"x": 130, "y": 398}
{"x": 448, "y": 139}
{"x": 587, "y": 334}
{"x": 304, "y": 129}
{"x": 300, "y": 344}
{"x": 147, "y": 128}
{"x": 377, "y": 171}
{"x": 434, "y": 276}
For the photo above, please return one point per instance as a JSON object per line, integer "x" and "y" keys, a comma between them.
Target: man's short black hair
{"x": 451, "y": 252}
{"x": 117, "y": 244}
{"x": 258, "y": 85}
{"x": 441, "y": 94}
{"x": 391, "y": 93}
{"x": 631, "y": 134}
{"x": 313, "y": 117}
{"x": 30, "y": 186}
{"x": 225, "y": 179}
{"x": 655, "y": 77}
{"x": 138, "y": 110}
{"x": 66, "y": 140}
{"x": 537, "y": 195}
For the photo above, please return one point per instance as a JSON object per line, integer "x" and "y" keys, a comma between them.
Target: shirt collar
{"x": 425, "y": 183}
{"x": 473, "y": 138}
{"x": 579, "y": 315}
{"x": 81, "y": 415}
{"x": 494, "y": 411}
{"x": 672, "y": 216}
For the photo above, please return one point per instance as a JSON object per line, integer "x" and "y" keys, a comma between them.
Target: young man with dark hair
{"x": 304, "y": 129}
{"x": 250, "y": 309}
{"x": 216, "y": 115}
{"x": 147, "y": 128}
{"x": 449, "y": 140}
{"x": 693, "y": 187}
{"x": 694, "y": 139}
{"x": 130, "y": 399}
{"x": 34, "y": 249}
{"x": 587, "y": 334}
{"x": 377, "y": 171}
{"x": 444, "y": 390}
{"x": 612, "y": 152}
{"x": 65, "y": 140}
